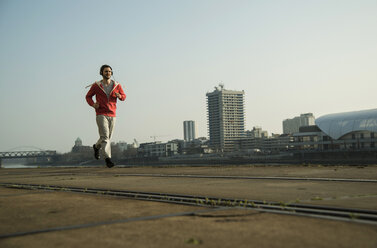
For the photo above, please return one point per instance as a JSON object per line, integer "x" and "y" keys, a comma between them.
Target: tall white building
{"x": 292, "y": 125}
{"x": 189, "y": 130}
{"x": 226, "y": 120}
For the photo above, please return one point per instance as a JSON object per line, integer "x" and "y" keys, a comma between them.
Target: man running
{"x": 107, "y": 92}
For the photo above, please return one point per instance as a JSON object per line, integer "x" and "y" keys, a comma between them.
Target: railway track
{"x": 254, "y": 177}
{"x": 318, "y": 179}
{"x": 334, "y": 213}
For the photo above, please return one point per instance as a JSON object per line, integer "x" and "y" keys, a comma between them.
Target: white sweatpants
{"x": 105, "y": 128}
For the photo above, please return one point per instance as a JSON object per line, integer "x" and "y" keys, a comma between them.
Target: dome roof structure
{"x": 339, "y": 124}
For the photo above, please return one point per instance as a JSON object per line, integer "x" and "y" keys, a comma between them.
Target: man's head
{"x": 106, "y": 71}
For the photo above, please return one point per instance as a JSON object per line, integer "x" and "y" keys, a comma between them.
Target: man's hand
{"x": 96, "y": 105}
{"x": 118, "y": 95}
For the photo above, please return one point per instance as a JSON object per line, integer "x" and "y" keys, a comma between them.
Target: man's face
{"x": 107, "y": 73}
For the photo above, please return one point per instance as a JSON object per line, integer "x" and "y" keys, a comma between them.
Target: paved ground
{"x": 112, "y": 222}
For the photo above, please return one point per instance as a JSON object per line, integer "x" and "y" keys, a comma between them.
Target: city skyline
{"x": 289, "y": 57}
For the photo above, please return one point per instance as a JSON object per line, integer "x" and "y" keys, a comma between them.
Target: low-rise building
{"x": 158, "y": 149}
{"x": 256, "y": 132}
{"x": 196, "y": 146}
{"x": 352, "y": 131}
{"x": 269, "y": 145}
{"x": 291, "y": 126}
{"x": 79, "y": 148}
{"x": 121, "y": 146}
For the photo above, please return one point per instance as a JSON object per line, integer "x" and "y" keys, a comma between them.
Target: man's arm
{"x": 120, "y": 94}
{"x": 90, "y": 95}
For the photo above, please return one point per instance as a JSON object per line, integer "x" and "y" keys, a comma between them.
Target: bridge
{"x": 27, "y": 154}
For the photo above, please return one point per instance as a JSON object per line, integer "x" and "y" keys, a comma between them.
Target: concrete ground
{"x": 89, "y": 220}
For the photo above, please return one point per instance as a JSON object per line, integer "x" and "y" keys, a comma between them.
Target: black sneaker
{"x": 96, "y": 152}
{"x": 109, "y": 163}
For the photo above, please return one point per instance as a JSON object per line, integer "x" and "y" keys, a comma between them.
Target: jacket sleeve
{"x": 90, "y": 94}
{"x": 122, "y": 94}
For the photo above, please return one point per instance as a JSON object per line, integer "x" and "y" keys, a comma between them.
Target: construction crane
{"x": 155, "y": 136}
{"x": 136, "y": 143}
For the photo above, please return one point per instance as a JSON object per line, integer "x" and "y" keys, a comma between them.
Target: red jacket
{"x": 107, "y": 106}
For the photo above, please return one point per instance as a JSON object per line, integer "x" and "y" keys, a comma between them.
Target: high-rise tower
{"x": 189, "y": 130}
{"x": 226, "y": 120}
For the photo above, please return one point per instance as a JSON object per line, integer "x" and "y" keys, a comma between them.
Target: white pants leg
{"x": 105, "y": 128}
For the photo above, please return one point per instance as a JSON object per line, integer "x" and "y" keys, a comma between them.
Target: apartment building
{"x": 226, "y": 118}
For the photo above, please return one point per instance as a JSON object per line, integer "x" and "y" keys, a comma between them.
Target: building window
{"x": 372, "y": 135}
{"x": 372, "y": 144}
{"x": 361, "y": 136}
{"x": 353, "y": 136}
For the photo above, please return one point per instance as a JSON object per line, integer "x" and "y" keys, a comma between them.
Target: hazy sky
{"x": 290, "y": 57}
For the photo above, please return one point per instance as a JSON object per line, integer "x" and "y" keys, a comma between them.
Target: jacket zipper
{"x": 101, "y": 87}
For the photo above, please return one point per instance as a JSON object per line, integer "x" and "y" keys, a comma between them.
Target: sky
{"x": 290, "y": 57}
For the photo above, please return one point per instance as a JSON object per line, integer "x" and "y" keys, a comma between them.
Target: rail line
{"x": 254, "y": 177}
{"x": 334, "y": 213}
{"x": 318, "y": 179}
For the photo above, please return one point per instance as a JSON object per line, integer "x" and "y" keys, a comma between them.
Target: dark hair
{"x": 103, "y": 68}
